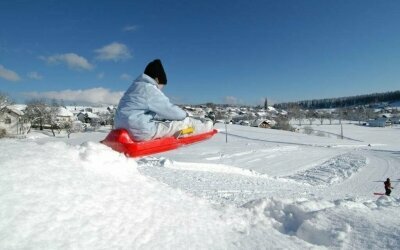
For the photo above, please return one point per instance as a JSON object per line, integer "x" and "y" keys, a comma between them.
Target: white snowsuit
{"x": 143, "y": 110}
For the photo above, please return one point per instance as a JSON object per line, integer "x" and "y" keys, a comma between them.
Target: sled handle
{"x": 185, "y": 131}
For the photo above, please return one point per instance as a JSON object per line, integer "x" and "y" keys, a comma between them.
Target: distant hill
{"x": 341, "y": 102}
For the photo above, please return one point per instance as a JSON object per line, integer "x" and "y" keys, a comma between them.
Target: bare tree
{"x": 3, "y": 132}
{"x": 311, "y": 119}
{"x": 340, "y": 115}
{"x": 220, "y": 115}
{"x": 360, "y": 114}
{"x": 330, "y": 117}
{"x": 249, "y": 116}
{"x": 294, "y": 111}
{"x": 369, "y": 113}
{"x": 282, "y": 123}
{"x": 51, "y": 117}
{"x": 68, "y": 126}
{"x": 346, "y": 113}
{"x": 36, "y": 112}
{"x": 310, "y": 116}
{"x": 106, "y": 117}
{"x": 40, "y": 114}
{"x": 72, "y": 127}
{"x": 95, "y": 124}
{"x": 322, "y": 115}
{"x": 4, "y": 101}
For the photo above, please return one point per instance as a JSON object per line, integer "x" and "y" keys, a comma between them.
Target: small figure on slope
{"x": 388, "y": 187}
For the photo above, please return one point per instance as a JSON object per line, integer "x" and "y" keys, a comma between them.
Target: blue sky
{"x": 212, "y": 51}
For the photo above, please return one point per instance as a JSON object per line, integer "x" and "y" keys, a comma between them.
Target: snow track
{"x": 333, "y": 171}
{"x": 201, "y": 167}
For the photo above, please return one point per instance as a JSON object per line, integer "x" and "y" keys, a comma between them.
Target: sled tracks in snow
{"x": 333, "y": 171}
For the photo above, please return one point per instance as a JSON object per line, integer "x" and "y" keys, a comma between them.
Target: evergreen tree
{"x": 266, "y": 103}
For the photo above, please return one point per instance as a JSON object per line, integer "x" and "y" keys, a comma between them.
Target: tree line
{"x": 343, "y": 102}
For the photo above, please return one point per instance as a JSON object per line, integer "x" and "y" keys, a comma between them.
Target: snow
{"x": 15, "y": 109}
{"x": 20, "y": 107}
{"x": 91, "y": 115}
{"x": 262, "y": 189}
{"x": 64, "y": 112}
{"x": 103, "y": 109}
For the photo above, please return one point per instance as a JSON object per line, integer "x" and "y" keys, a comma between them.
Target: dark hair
{"x": 155, "y": 70}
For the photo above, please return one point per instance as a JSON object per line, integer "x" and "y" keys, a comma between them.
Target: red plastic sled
{"x": 120, "y": 141}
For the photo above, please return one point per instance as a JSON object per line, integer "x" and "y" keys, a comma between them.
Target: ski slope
{"x": 262, "y": 189}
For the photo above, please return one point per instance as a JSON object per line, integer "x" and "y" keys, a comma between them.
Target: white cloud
{"x": 113, "y": 52}
{"x": 8, "y": 74}
{"x": 130, "y": 28}
{"x": 231, "y": 100}
{"x": 95, "y": 95}
{"x": 126, "y": 77}
{"x": 100, "y": 76}
{"x": 35, "y": 75}
{"x": 73, "y": 61}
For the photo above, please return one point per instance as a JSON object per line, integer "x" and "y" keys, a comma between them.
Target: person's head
{"x": 156, "y": 71}
{"x": 388, "y": 179}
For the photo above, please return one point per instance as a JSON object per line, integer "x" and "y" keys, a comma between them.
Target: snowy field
{"x": 263, "y": 189}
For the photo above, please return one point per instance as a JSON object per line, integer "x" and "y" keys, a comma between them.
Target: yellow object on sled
{"x": 187, "y": 131}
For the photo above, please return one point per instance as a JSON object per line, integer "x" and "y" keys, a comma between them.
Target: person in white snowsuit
{"x": 148, "y": 114}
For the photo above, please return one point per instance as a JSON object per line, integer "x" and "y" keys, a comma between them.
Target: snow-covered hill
{"x": 264, "y": 189}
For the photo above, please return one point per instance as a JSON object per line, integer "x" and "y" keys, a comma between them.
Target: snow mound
{"x": 332, "y": 224}
{"x": 383, "y": 202}
{"x": 333, "y": 171}
{"x": 301, "y": 219}
{"x": 56, "y": 196}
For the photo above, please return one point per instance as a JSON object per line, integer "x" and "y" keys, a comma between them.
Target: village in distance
{"x": 375, "y": 110}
